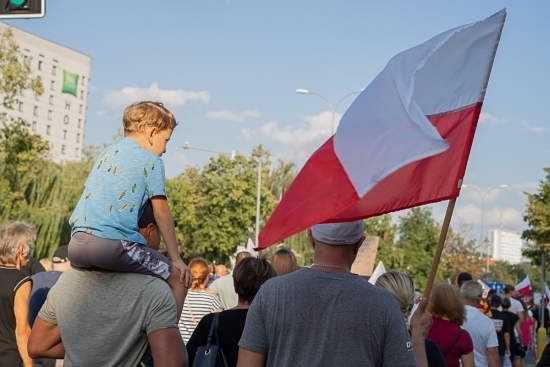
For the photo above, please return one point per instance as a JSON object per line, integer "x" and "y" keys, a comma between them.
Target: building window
{"x": 79, "y": 123}
{"x": 80, "y": 109}
{"x": 52, "y": 85}
{"x": 20, "y": 106}
{"x": 36, "y": 97}
{"x": 49, "y": 114}
{"x": 25, "y": 59}
{"x": 64, "y": 134}
{"x": 54, "y": 70}
{"x": 76, "y": 152}
{"x": 35, "y": 112}
{"x": 81, "y": 94}
{"x": 22, "y": 92}
{"x": 4, "y": 117}
{"x": 39, "y": 65}
{"x": 48, "y": 128}
{"x": 83, "y": 80}
{"x": 33, "y": 126}
{"x": 51, "y": 99}
{"x": 19, "y": 119}
{"x": 63, "y": 149}
{"x": 67, "y": 105}
{"x": 5, "y": 101}
{"x": 78, "y": 137}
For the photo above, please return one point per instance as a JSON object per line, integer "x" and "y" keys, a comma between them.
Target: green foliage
{"x": 418, "y": 234}
{"x": 391, "y": 256}
{"x": 537, "y": 217}
{"x": 15, "y": 71}
{"x": 459, "y": 254}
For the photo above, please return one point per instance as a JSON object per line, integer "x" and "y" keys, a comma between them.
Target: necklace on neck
{"x": 330, "y": 266}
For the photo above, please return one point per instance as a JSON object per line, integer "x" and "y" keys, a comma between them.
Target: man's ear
{"x": 311, "y": 239}
{"x": 149, "y": 230}
{"x": 358, "y": 245}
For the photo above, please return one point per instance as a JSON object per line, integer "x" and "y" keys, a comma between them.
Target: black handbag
{"x": 211, "y": 355}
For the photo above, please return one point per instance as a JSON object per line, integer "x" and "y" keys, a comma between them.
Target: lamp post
{"x": 259, "y": 182}
{"x": 483, "y": 195}
{"x": 333, "y": 109}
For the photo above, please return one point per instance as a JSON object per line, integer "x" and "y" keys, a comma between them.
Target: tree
{"x": 537, "y": 217}
{"x": 418, "y": 235}
{"x": 382, "y": 226}
{"x": 227, "y": 211}
{"x": 459, "y": 254}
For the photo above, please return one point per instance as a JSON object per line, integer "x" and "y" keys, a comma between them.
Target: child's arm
{"x": 165, "y": 222}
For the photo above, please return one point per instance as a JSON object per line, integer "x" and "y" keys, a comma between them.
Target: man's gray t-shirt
{"x": 317, "y": 318}
{"x": 105, "y": 317}
{"x": 225, "y": 289}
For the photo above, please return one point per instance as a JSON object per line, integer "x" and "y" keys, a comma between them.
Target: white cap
{"x": 344, "y": 233}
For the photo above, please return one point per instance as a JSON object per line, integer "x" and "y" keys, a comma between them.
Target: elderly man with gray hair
{"x": 326, "y": 316}
{"x": 480, "y": 327}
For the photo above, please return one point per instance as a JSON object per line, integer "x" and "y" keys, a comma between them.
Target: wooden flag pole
{"x": 440, "y": 244}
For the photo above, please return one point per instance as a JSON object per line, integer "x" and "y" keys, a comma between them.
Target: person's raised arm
{"x": 22, "y": 328}
{"x": 168, "y": 348}
{"x": 45, "y": 341}
{"x": 421, "y": 321}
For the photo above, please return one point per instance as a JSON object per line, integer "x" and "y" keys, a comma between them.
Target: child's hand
{"x": 185, "y": 274}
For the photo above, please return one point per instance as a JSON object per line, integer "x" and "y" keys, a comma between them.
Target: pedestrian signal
{"x": 22, "y": 8}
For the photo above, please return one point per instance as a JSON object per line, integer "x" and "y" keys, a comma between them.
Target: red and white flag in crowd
{"x": 403, "y": 142}
{"x": 546, "y": 293}
{"x": 524, "y": 287}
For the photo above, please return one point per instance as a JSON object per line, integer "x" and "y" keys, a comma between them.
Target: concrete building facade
{"x": 506, "y": 245}
{"x": 59, "y": 114}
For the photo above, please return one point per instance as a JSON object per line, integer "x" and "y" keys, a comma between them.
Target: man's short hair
{"x": 463, "y": 277}
{"x": 249, "y": 274}
{"x": 242, "y": 255}
{"x": 471, "y": 290}
{"x": 345, "y": 233}
{"x": 140, "y": 115}
{"x": 509, "y": 288}
{"x": 506, "y": 303}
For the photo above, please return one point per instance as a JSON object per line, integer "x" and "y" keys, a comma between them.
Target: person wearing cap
{"x": 502, "y": 328}
{"x": 97, "y": 302}
{"x": 326, "y": 316}
{"x": 483, "y": 305}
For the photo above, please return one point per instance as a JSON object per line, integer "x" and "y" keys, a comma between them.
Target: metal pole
{"x": 258, "y": 200}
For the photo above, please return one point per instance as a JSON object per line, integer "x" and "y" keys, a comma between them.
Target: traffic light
{"x": 22, "y": 8}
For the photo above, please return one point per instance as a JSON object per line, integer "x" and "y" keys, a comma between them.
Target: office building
{"x": 506, "y": 245}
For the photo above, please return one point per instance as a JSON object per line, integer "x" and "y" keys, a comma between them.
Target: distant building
{"x": 506, "y": 245}
{"x": 59, "y": 114}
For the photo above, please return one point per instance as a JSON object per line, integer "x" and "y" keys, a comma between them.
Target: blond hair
{"x": 199, "y": 273}
{"x": 12, "y": 235}
{"x": 141, "y": 115}
{"x": 284, "y": 262}
{"x": 401, "y": 287}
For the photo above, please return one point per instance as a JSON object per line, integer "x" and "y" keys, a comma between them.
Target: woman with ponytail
{"x": 198, "y": 302}
{"x": 401, "y": 287}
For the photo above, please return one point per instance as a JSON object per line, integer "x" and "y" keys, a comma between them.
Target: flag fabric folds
{"x": 524, "y": 287}
{"x": 403, "y": 142}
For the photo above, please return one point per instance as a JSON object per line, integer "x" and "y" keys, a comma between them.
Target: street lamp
{"x": 305, "y": 91}
{"x": 483, "y": 195}
{"x": 232, "y": 155}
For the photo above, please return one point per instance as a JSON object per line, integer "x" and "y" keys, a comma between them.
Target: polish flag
{"x": 524, "y": 287}
{"x": 404, "y": 141}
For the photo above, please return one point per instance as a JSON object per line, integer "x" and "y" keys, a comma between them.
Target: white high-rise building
{"x": 507, "y": 245}
{"x": 59, "y": 114}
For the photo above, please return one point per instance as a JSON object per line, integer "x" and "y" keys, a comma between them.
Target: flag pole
{"x": 440, "y": 244}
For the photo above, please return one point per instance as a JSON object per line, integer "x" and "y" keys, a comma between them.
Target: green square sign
{"x": 70, "y": 83}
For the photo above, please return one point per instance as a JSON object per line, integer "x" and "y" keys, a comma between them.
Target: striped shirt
{"x": 196, "y": 306}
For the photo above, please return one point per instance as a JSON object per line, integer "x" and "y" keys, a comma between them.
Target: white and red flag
{"x": 404, "y": 141}
{"x": 524, "y": 287}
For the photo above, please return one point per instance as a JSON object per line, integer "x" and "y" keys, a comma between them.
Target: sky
{"x": 229, "y": 70}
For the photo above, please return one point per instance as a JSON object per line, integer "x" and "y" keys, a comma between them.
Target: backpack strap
{"x": 453, "y": 345}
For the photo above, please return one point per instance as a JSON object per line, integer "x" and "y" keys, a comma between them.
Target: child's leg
{"x": 178, "y": 289}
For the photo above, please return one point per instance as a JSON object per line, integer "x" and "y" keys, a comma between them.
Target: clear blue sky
{"x": 228, "y": 70}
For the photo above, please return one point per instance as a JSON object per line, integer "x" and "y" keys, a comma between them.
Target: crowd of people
{"x": 110, "y": 298}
